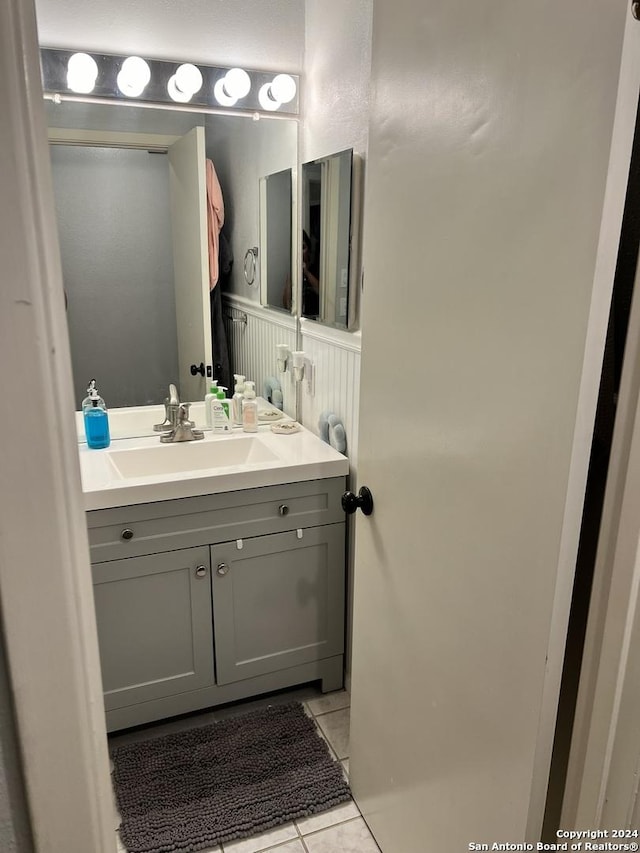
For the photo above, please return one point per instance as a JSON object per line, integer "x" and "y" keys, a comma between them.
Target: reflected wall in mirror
{"x": 327, "y": 226}
{"x": 276, "y": 209}
{"x": 121, "y": 224}
{"x": 114, "y": 229}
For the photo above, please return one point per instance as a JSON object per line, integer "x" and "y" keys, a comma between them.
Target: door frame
{"x": 598, "y": 782}
{"x": 606, "y": 260}
{"x": 46, "y": 598}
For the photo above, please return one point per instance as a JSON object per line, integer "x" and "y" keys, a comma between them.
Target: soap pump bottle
{"x": 96, "y": 419}
{"x": 225, "y": 402}
{"x": 237, "y": 400}
{"x": 249, "y": 408}
{"x": 219, "y": 417}
{"x": 208, "y": 398}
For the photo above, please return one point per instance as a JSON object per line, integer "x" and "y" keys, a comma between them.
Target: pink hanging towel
{"x": 215, "y": 221}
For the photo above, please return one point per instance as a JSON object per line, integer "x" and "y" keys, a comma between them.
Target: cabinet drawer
{"x": 188, "y": 522}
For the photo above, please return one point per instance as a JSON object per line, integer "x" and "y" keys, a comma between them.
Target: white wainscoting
{"x": 252, "y": 335}
{"x": 336, "y": 359}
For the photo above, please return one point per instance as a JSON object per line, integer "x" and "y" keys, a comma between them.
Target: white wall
{"x": 337, "y": 65}
{"x": 335, "y": 105}
{"x": 261, "y": 34}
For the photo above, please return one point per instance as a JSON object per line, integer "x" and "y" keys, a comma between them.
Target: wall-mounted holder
{"x": 282, "y": 357}
{"x": 303, "y": 369}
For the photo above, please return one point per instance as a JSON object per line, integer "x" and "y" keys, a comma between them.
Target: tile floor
{"x": 339, "y": 829}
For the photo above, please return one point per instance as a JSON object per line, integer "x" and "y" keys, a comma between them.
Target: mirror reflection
{"x": 276, "y": 194}
{"x": 121, "y": 255}
{"x": 114, "y": 226}
{"x": 326, "y": 239}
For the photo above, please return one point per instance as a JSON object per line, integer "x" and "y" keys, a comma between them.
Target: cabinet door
{"x": 154, "y": 625}
{"x": 278, "y": 601}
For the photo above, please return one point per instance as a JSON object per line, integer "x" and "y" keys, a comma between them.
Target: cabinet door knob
{"x": 127, "y": 534}
{"x": 201, "y": 571}
{"x": 283, "y": 509}
{"x": 222, "y": 569}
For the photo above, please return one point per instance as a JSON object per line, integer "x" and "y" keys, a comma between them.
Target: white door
{"x": 489, "y": 140}
{"x": 187, "y": 170}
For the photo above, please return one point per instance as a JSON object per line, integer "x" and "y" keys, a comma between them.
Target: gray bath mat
{"x": 191, "y": 790}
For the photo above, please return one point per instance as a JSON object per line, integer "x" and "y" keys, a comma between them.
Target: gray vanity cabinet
{"x": 278, "y": 601}
{"x": 206, "y": 600}
{"x": 154, "y": 625}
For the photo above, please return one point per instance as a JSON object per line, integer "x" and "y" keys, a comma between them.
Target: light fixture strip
{"x": 56, "y": 81}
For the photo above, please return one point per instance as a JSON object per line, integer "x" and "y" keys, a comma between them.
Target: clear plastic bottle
{"x": 249, "y": 408}
{"x": 237, "y": 400}
{"x": 96, "y": 419}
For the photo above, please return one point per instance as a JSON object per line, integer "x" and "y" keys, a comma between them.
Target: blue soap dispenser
{"x": 96, "y": 419}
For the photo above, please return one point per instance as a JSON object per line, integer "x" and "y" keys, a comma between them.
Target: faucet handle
{"x": 170, "y": 414}
{"x": 174, "y": 400}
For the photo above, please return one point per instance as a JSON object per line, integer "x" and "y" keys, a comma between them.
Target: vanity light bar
{"x": 77, "y": 75}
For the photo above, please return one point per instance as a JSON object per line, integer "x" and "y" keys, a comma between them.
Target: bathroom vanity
{"x": 213, "y": 584}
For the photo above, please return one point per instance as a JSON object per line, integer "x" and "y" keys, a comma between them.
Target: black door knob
{"x": 195, "y": 368}
{"x": 363, "y": 500}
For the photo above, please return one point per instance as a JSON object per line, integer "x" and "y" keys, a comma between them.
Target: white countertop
{"x": 299, "y": 456}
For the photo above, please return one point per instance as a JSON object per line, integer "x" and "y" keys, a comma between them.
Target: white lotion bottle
{"x": 237, "y": 400}
{"x": 219, "y": 417}
{"x": 208, "y": 399}
{"x": 249, "y": 408}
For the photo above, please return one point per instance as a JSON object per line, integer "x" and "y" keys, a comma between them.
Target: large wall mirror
{"x": 329, "y": 211}
{"x": 137, "y": 287}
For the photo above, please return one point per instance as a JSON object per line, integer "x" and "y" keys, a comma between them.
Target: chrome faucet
{"x": 184, "y": 429}
{"x": 171, "y": 405}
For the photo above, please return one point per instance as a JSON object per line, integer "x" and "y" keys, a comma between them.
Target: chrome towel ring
{"x": 250, "y": 265}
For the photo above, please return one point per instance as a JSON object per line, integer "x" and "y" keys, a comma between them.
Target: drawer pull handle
{"x": 201, "y": 571}
{"x": 222, "y": 569}
{"x": 283, "y": 509}
{"x": 127, "y": 534}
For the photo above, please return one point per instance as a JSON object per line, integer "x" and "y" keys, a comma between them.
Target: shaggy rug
{"x": 191, "y": 790}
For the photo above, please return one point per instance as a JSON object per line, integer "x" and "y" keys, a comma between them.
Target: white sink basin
{"x": 190, "y": 456}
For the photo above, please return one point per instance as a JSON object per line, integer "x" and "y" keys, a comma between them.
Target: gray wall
{"x": 114, "y": 224}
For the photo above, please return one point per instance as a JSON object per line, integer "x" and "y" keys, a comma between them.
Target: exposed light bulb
{"x": 189, "y": 78}
{"x": 174, "y": 93}
{"x": 283, "y": 88}
{"x": 185, "y": 83}
{"x": 82, "y": 73}
{"x": 267, "y": 101}
{"x": 134, "y": 76}
{"x": 235, "y": 84}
